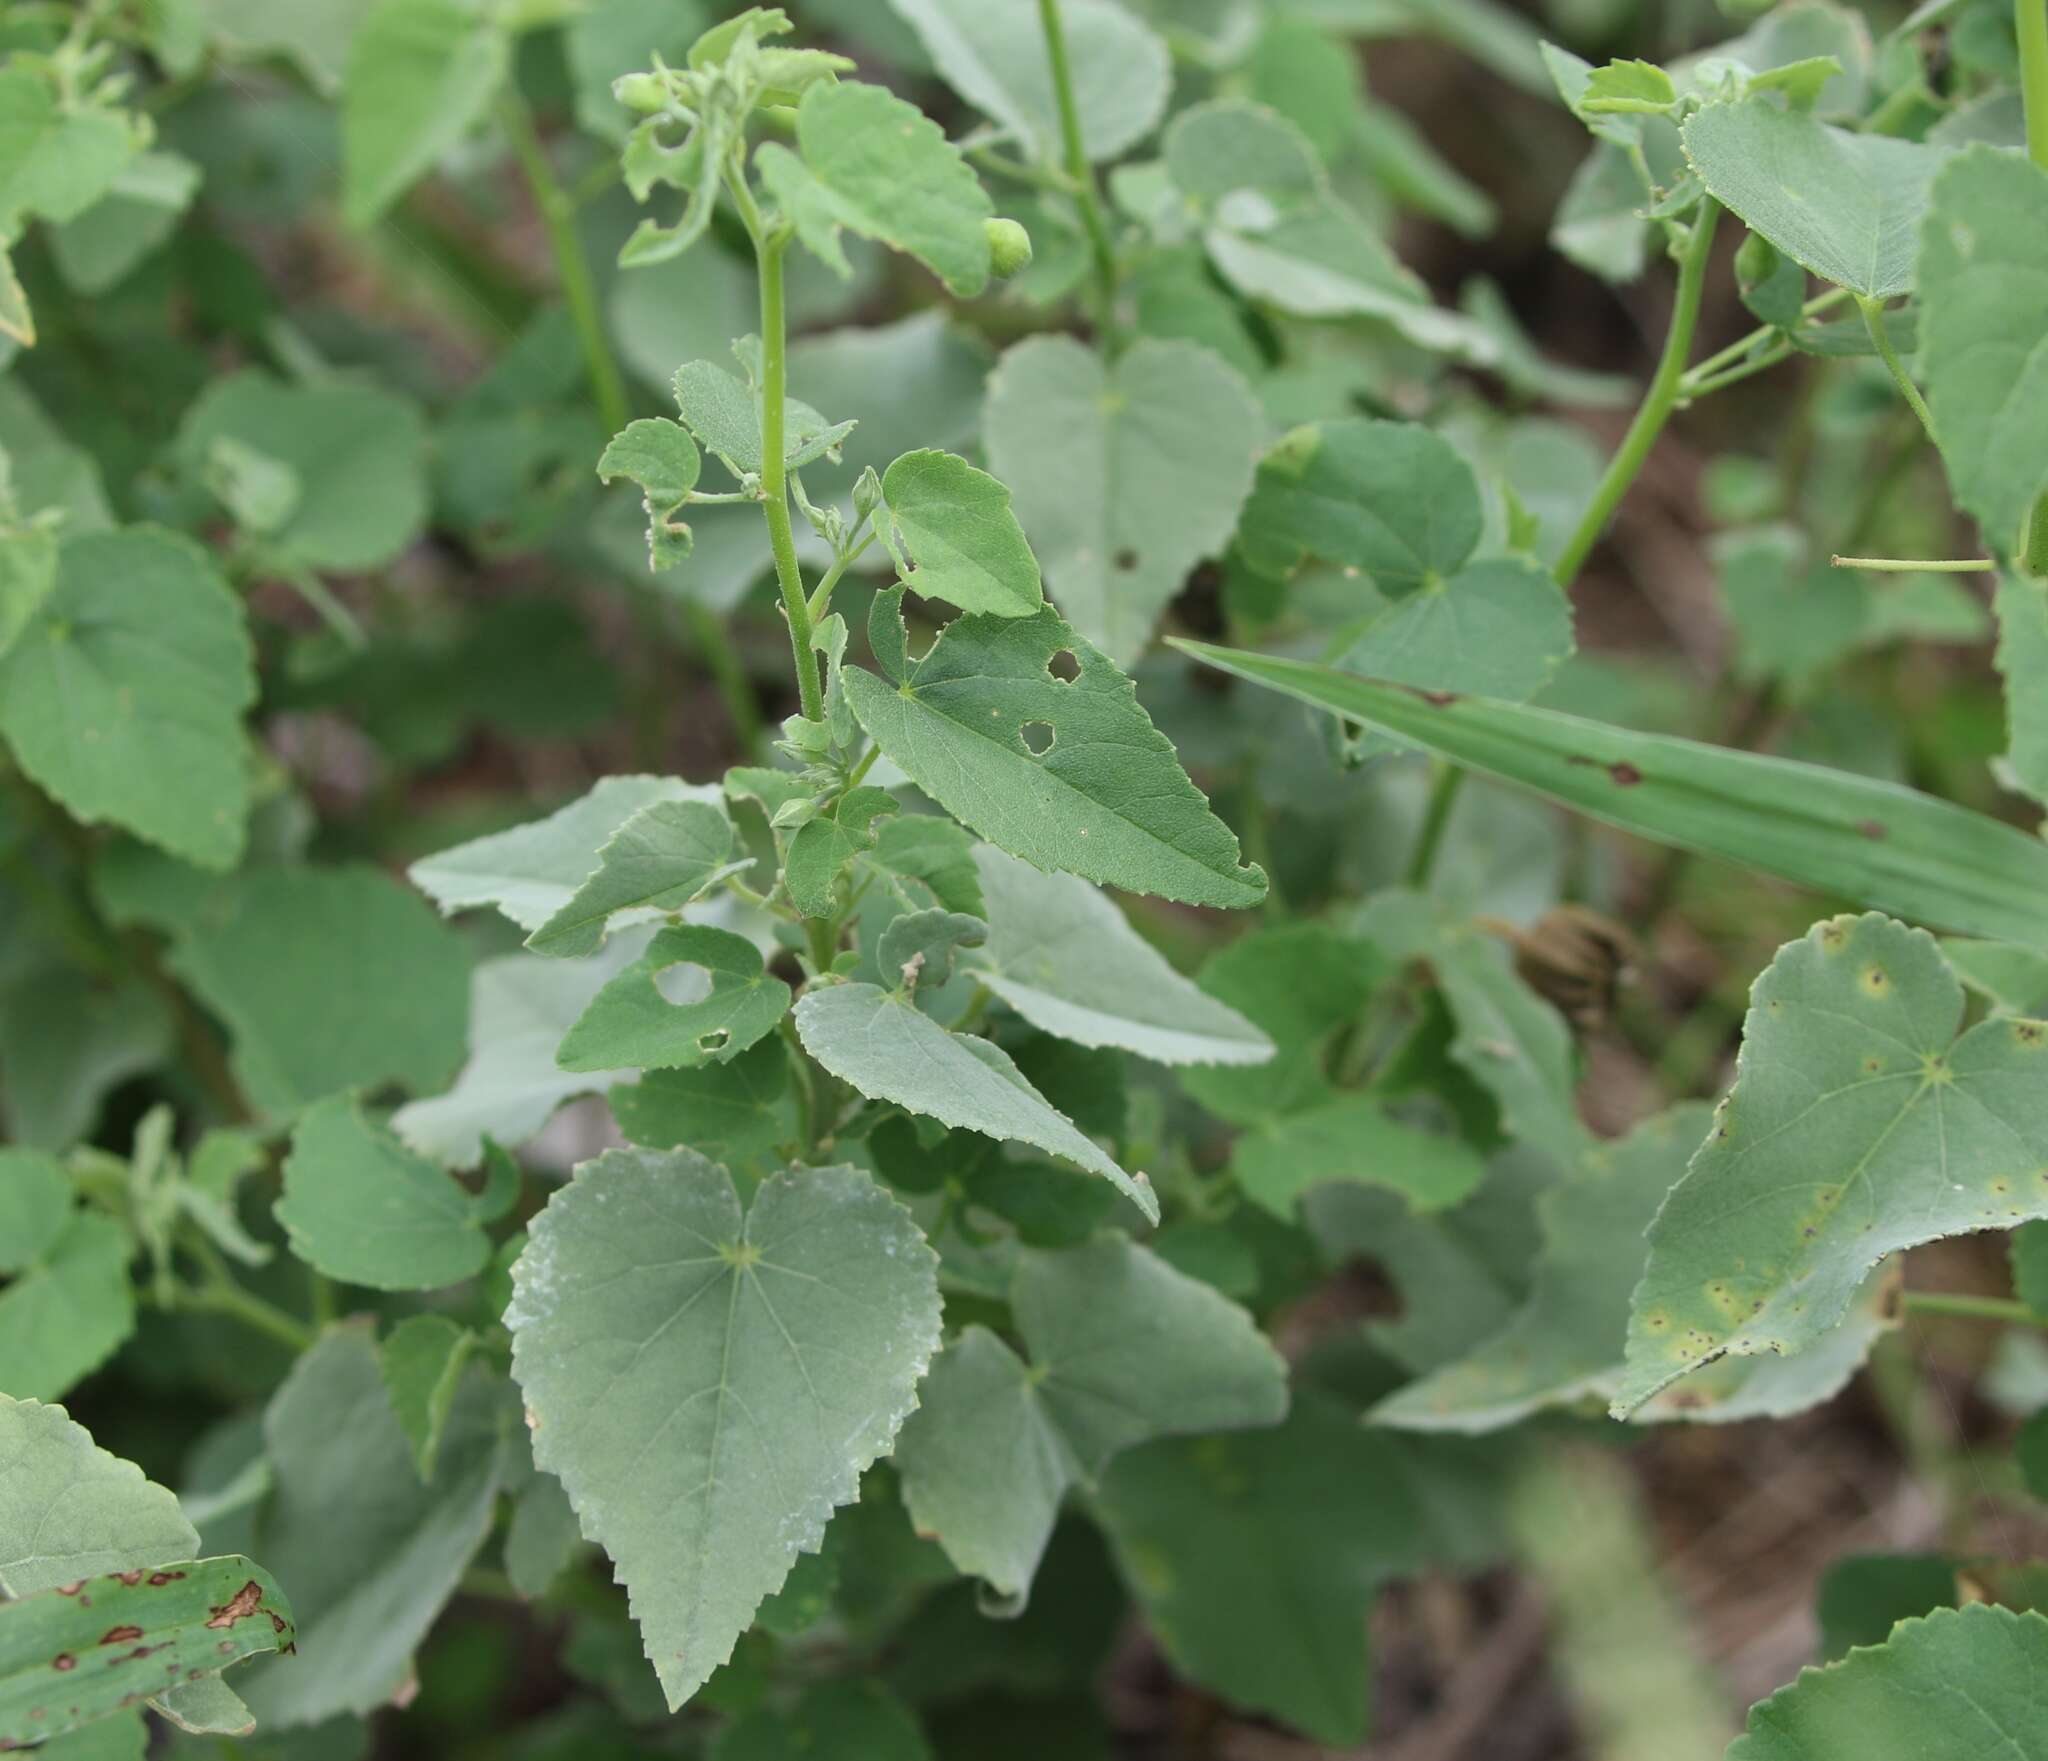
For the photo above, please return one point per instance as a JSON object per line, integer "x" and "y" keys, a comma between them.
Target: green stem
{"x": 558, "y": 213}
{"x": 2030, "y": 24}
{"x": 1763, "y": 333}
{"x": 1436, "y": 818}
{"x": 224, "y": 1297}
{"x": 1908, "y": 565}
{"x": 1973, "y": 1308}
{"x": 1658, "y": 402}
{"x": 768, "y": 253}
{"x": 1696, "y": 388}
{"x": 1082, "y": 174}
{"x": 337, "y": 617}
{"x": 1881, "y": 339}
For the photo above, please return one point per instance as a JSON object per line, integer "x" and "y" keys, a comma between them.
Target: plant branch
{"x": 558, "y": 213}
{"x": 1973, "y": 1308}
{"x": 1907, "y": 565}
{"x": 1658, "y": 401}
{"x": 1881, "y": 339}
{"x": 1082, "y": 175}
{"x": 1436, "y": 818}
{"x": 2030, "y": 25}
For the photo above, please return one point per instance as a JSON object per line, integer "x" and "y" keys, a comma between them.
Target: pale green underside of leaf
{"x": 420, "y": 72}
{"x": 1126, "y": 474}
{"x": 123, "y": 694}
{"x": 658, "y": 861}
{"x": 1957, "y": 1682}
{"x": 206, "y": 1707}
{"x": 69, "y": 1510}
{"x": 992, "y": 52}
{"x": 1563, "y": 1347}
{"x": 520, "y": 1006}
{"x": 1845, "y": 206}
{"x": 709, "y": 1388}
{"x": 1108, "y": 800}
{"x": 1983, "y": 287}
{"x": 887, "y": 1048}
{"x": 421, "y": 1363}
{"x": 1891, "y": 847}
{"x": 1859, "y": 1125}
{"x": 58, "y": 1670}
{"x": 368, "y": 1552}
{"x": 1123, "y": 1348}
{"x": 1070, "y": 963}
{"x": 532, "y": 871}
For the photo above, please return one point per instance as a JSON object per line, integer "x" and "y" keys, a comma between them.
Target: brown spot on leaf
{"x": 1625, "y": 774}
{"x": 1873, "y": 829}
{"x": 63, "y": 1660}
{"x": 121, "y": 1635}
{"x": 158, "y": 1579}
{"x": 239, "y": 1606}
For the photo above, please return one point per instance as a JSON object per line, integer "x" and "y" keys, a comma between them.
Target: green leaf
{"x": 2015, "y": 979}
{"x": 420, "y": 74}
{"x": 391, "y": 980}
{"x": 724, "y": 413}
{"x": 930, "y": 848}
{"x": 56, "y": 160}
{"x": 520, "y": 1006}
{"x": 123, "y": 695}
{"x": 1107, "y": 800}
{"x": 314, "y": 35}
{"x": 1846, "y": 206}
{"x": 543, "y": 1537}
{"x": 361, "y": 1207}
{"x": 882, "y": 168}
{"x": 206, "y": 1707}
{"x": 1563, "y": 1347}
{"x": 1297, "y": 984}
{"x": 1499, "y": 629}
{"x": 70, "y": 1510}
{"x": 633, "y": 1023}
{"x": 96, "y": 250}
{"x": 421, "y": 1364}
{"x": 1126, "y": 473}
{"x": 1859, "y": 1125}
{"x": 666, "y": 855}
{"x": 1983, "y": 280}
{"x": 2028, "y": 1246}
{"x": 964, "y": 542}
{"x": 1623, "y": 87}
{"x": 1352, "y": 1138}
{"x": 850, "y": 1717}
{"x": 889, "y": 1050}
{"x": 708, "y": 1386}
{"x": 1068, "y": 961}
{"x": 1959, "y": 1681}
{"x": 35, "y": 1204}
{"x": 359, "y": 453}
{"x": 1390, "y": 499}
{"x": 657, "y": 454}
{"x": 532, "y": 871}
{"x": 368, "y": 1553}
{"x": 732, "y": 1111}
{"x": 994, "y": 56}
{"x": 2023, "y": 659}
{"x": 69, "y": 1312}
{"x": 63, "y": 1650}
{"x": 918, "y": 946}
{"x": 824, "y": 845}
{"x": 1863, "y": 1597}
{"x": 1256, "y": 1557}
{"x": 1122, "y": 1349}
{"x": 1888, "y": 846}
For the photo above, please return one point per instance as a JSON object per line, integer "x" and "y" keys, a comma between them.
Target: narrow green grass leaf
{"x": 1875, "y": 842}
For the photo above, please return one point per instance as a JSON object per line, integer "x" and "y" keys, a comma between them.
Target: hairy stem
{"x": 558, "y": 213}
{"x": 789, "y": 576}
{"x": 1658, "y": 402}
{"x": 2030, "y": 24}
{"x": 1080, "y": 172}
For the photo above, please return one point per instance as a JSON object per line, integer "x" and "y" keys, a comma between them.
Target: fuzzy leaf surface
{"x": 710, "y": 1385}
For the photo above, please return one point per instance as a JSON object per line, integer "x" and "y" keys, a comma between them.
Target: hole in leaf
{"x": 683, "y": 983}
{"x": 714, "y": 1041}
{"x": 1038, "y": 738}
{"x": 1126, "y": 559}
{"x": 1064, "y": 667}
